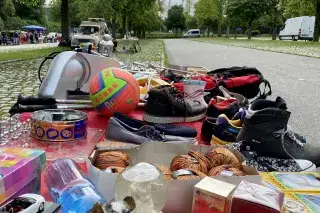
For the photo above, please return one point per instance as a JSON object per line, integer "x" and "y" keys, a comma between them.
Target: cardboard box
{"x": 212, "y": 196}
{"x": 180, "y": 192}
{"x": 249, "y": 197}
{"x": 18, "y": 168}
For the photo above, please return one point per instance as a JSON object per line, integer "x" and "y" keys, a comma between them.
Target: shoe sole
{"x": 311, "y": 168}
{"x": 165, "y": 120}
{"x": 217, "y": 141}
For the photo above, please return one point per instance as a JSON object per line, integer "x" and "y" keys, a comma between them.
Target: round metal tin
{"x": 58, "y": 125}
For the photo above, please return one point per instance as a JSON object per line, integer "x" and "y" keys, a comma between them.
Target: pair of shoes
{"x": 265, "y": 130}
{"x": 167, "y": 129}
{"x": 166, "y": 104}
{"x": 222, "y": 130}
{"x": 123, "y": 131}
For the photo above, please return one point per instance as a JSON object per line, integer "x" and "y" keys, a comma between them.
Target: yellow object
{"x": 217, "y": 141}
{"x": 302, "y": 190}
{"x": 305, "y": 182}
{"x": 235, "y": 127}
{"x": 148, "y": 82}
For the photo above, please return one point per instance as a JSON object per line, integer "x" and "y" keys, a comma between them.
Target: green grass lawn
{"x": 304, "y": 48}
{"x": 30, "y": 54}
{"x": 152, "y": 50}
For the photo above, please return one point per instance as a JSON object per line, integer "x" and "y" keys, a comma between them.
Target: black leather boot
{"x": 265, "y": 131}
{"x": 166, "y": 104}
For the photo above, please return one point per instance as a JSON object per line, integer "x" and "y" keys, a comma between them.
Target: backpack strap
{"x": 263, "y": 94}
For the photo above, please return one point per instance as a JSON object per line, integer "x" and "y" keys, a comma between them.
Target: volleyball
{"x": 114, "y": 89}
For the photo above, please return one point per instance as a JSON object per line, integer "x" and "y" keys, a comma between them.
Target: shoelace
{"x": 195, "y": 94}
{"x": 152, "y": 134}
{"x": 290, "y": 133}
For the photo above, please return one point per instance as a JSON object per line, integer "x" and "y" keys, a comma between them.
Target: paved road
{"x": 295, "y": 78}
{"x": 13, "y": 48}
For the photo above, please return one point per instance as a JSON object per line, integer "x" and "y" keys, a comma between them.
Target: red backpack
{"x": 242, "y": 80}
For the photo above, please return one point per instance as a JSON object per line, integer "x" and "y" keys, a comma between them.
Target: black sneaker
{"x": 265, "y": 130}
{"x": 166, "y": 104}
{"x": 229, "y": 107}
{"x": 207, "y": 129}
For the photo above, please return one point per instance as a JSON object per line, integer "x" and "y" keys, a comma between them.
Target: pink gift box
{"x": 18, "y": 168}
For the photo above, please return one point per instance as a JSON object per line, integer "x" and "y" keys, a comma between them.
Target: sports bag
{"x": 242, "y": 80}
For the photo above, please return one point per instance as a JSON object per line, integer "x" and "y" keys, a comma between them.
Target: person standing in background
{"x": 36, "y": 36}
{"x": 27, "y": 37}
{"x": 15, "y": 38}
{"x": 31, "y": 36}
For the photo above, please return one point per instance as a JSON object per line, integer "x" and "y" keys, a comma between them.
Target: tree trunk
{"x": 129, "y": 27}
{"x": 143, "y": 34}
{"x": 114, "y": 26}
{"x": 235, "y": 34}
{"x": 228, "y": 32}
{"x": 124, "y": 22}
{"x": 250, "y": 30}
{"x": 274, "y": 33}
{"x": 65, "y": 20}
{"x": 208, "y": 32}
{"x": 317, "y": 24}
{"x": 219, "y": 30}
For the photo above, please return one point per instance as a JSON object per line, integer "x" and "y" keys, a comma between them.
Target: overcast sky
{"x": 175, "y": 2}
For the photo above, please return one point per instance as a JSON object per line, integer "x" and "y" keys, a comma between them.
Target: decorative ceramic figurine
{"x": 145, "y": 184}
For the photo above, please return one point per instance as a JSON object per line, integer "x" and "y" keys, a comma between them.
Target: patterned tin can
{"x": 59, "y": 125}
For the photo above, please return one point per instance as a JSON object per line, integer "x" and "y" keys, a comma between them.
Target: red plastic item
{"x": 241, "y": 81}
{"x": 210, "y": 81}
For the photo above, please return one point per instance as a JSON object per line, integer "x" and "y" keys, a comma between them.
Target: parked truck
{"x": 298, "y": 28}
{"x": 91, "y": 31}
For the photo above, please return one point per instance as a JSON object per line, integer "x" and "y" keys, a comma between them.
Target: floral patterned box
{"x": 19, "y": 167}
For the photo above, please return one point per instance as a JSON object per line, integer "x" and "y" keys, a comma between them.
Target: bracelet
{"x": 58, "y": 125}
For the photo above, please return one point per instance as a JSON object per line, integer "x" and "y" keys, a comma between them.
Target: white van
{"x": 299, "y": 28}
{"x": 193, "y": 33}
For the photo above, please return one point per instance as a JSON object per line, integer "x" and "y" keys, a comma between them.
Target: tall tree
{"x": 316, "y": 34}
{"x": 176, "y": 19}
{"x": 247, "y": 11}
{"x": 273, "y": 17}
{"x": 30, "y": 12}
{"x": 206, "y": 13}
{"x": 146, "y": 17}
{"x": 6, "y": 9}
{"x": 220, "y": 5}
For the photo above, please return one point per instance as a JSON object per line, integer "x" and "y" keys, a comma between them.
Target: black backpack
{"x": 242, "y": 80}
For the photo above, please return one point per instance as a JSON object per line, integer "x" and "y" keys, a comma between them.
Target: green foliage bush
{"x": 14, "y": 23}
{"x": 53, "y": 27}
{"x": 1, "y": 24}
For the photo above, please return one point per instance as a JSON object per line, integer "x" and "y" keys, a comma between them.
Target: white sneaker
{"x": 306, "y": 166}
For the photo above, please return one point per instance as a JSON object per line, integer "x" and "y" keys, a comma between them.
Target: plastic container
{"x": 69, "y": 187}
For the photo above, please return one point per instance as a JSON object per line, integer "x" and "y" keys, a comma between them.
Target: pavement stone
{"x": 19, "y": 77}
